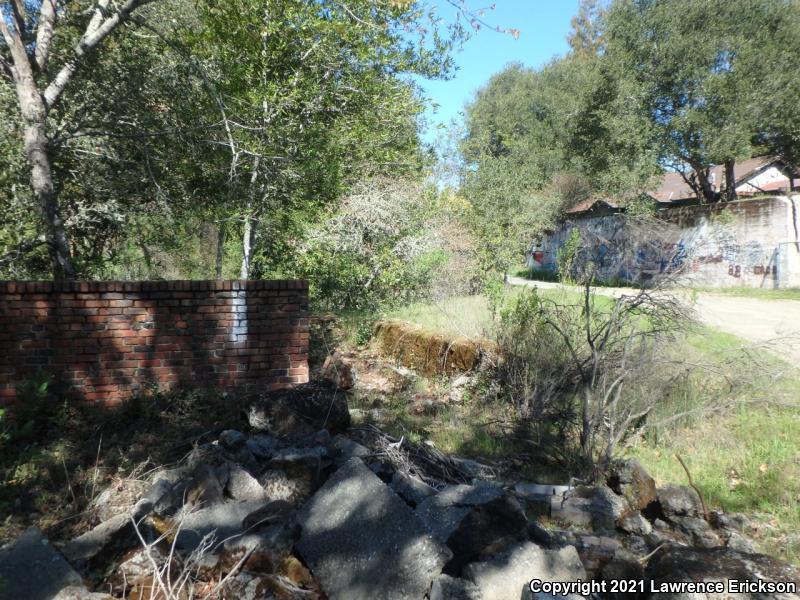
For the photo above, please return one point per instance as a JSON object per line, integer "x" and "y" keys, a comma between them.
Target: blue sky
{"x": 543, "y": 26}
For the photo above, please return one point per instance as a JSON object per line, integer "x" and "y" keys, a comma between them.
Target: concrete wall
{"x": 752, "y": 242}
{"x": 103, "y": 341}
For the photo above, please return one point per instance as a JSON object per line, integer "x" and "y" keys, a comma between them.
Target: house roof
{"x": 674, "y": 188}
{"x": 592, "y": 204}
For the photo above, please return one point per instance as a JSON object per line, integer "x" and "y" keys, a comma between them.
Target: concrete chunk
{"x": 88, "y": 545}
{"x": 443, "y": 512}
{"x": 362, "y": 541}
{"x": 508, "y": 575}
{"x": 31, "y": 568}
{"x": 222, "y": 520}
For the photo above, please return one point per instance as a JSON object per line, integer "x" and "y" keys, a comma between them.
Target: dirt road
{"x": 773, "y": 323}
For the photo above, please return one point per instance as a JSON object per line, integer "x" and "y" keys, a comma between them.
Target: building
{"x": 760, "y": 175}
{"x": 753, "y": 241}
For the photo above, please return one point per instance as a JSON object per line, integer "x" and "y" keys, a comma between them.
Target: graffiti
{"x": 691, "y": 244}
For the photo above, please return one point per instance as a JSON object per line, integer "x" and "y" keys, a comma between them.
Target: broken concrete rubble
{"x": 362, "y": 541}
{"x": 507, "y": 576}
{"x": 31, "y": 568}
{"x": 443, "y": 512}
{"x": 365, "y": 526}
{"x": 598, "y": 507}
{"x": 242, "y": 486}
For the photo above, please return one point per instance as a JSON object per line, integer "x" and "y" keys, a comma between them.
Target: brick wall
{"x": 103, "y": 341}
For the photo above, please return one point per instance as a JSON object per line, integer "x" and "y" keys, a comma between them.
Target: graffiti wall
{"x": 750, "y": 243}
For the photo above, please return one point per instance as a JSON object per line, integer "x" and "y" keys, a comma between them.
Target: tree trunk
{"x": 247, "y": 241}
{"x": 220, "y": 250}
{"x": 730, "y": 181}
{"x": 703, "y": 186}
{"x": 247, "y": 236}
{"x": 36, "y": 152}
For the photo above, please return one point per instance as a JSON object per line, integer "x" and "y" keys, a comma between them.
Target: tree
{"x": 528, "y": 132}
{"x": 29, "y": 32}
{"x": 380, "y": 247}
{"x": 320, "y": 103}
{"x": 700, "y": 87}
{"x": 586, "y": 37}
{"x": 261, "y": 116}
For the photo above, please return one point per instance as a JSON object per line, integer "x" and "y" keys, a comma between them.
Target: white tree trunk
{"x": 247, "y": 235}
{"x": 34, "y": 104}
{"x": 35, "y": 141}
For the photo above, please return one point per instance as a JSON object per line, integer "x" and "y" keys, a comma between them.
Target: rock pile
{"x": 298, "y": 509}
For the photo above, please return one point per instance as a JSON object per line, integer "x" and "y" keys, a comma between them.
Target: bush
{"x": 584, "y": 376}
{"x": 386, "y": 245}
{"x": 33, "y": 411}
{"x": 537, "y": 274}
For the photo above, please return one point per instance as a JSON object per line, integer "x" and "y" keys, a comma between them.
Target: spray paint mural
{"x": 751, "y": 243}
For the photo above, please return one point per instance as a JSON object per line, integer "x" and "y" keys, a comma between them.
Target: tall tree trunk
{"x": 247, "y": 243}
{"x": 34, "y": 103}
{"x": 220, "y": 250}
{"x": 730, "y": 181}
{"x": 247, "y": 236}
{"x": 36, "y": 146}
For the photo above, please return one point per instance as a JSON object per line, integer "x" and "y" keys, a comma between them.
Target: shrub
{"x": 387, "y": 244}
{"x": 586, "y": 374}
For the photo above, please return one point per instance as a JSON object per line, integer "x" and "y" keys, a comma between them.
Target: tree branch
{"x": 21, "y": 249}
{"x": 45, "y": 32}
{"x": 16, "y": 47}
{"x": 96, "y": 32}
{"x": 18, "y": 7}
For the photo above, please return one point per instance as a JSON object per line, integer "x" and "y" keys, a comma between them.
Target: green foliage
{"x": 494, "y": 290}
{"x": 32, "y": 408}
{"x": 701, "y": 91}
{"x": 381, "y": 248}
{"x": 33, "y": 413}
{"x": 364, "y": 331}
{"x": 5, "y": 428}
{"x": 537, "y": 274}
{"x": 221, "y": 114}
{"x": 540, "y": 142}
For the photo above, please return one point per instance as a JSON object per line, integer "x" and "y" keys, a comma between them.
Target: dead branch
{"x": 694, "y": 487}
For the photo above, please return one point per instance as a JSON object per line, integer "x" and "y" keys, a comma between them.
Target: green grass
{"x": 467, "y": 316}
{"x": 537, "y": 274}
{"x": 471, "y": 316}
{"x": 757, "y": 293}
{"x": 747, "y": 462}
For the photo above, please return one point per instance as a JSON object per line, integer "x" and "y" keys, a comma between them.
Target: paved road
{"x": 773, "y": 323}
